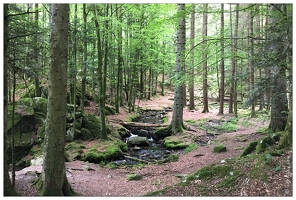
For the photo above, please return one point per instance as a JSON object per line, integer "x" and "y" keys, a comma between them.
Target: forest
{"x": 147, "y": 99}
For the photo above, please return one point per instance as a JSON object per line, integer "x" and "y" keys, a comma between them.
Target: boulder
{"x": 137, "y": 140}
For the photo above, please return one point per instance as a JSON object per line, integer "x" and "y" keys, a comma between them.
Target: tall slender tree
{"x": 192, "y": 36}
{"x": 204, "y": 58}
{"x": 8, "y": 188}
{"x": 177, "y": 119}
{"x": 222, "y": 77}
{"x": 54, "y": 179}
{"x": 102, "y": 79}
{"x": 279, "y": 102}
{"x": 85, "y": 63}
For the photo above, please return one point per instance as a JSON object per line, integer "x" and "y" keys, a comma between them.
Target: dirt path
{"x": 89, "y": 179}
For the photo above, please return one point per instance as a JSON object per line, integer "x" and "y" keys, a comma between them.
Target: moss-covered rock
{"x": 177, "y": 142}
{"x": 137, "y": 140}
{"x": 134, "y": 177}
{"x": 285, "y": 141}
{"x": 74, "y": 150}
{"x": 104, "y": 151}
{"x": 93, "y": 124}
{"x": 40, "y": 105}
{"x": 162, "y": 132}
{"x": 249, "y": 149}
{"x": 109, "y": 110}
{"x": 219, "y": 148}
{"x": 264, "y": 143}
{"x": 86, "y": 134}
{"x": 123, "y": 132}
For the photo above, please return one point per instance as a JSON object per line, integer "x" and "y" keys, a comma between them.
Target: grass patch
{"x": 191, "y": 122}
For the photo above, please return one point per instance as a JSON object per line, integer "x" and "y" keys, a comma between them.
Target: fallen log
{"x": 136, "y": 159}
{"x": 130, "y": 125}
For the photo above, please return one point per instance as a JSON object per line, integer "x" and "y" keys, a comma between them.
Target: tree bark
{"x": 54, "y": 180}
{"x": 36, "y": 74}
{"x": 235, "y": 61}
{"x": 8, "y": 188}
{"x": 204, "y": 58}
{"x": 191, "y": 81}
{"x": 85, "y": 63}
{"x": 221, "y": 89}
{"x": 177, "y": 119}
{"x": 101, "y": 79}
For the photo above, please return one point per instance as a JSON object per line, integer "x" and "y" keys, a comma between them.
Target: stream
{"x": 150, "y": 149}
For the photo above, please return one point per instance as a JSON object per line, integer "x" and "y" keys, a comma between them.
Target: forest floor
{"x": 89, "y": 179}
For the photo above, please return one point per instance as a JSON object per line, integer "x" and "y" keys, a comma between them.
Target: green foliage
{"x": 134, "y": 177}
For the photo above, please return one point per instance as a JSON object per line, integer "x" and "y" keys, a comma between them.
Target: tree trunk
{"x": 279, "y": 102}
{"x": 191, "y": 81}
{"x": 235, "y": 61}
{"x": 101, "y": 78}
{"x": 252, "y": 63}
{"x": 54, "y": 180}
{"x": 85, "y": 63}
{"x": 119, "y": 61}
{"x": 221, "y": 89}
{"x": 232, "y": 77}
{"x": 204, "y": 58}
{"x": 36, "y": 74}
{"x": 8, "y": 188}
{"x": 177, "y": 119}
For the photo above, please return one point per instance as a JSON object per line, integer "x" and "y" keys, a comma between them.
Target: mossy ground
{"x": 104, "y": 151}
{"x": 224, "y": 178}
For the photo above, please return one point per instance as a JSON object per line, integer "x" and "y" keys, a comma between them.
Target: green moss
{"x": 208, "y": 172}
{"x": 175, "y": 142}
{"x": 86, "y": 134}
{"x": 286, "y": 141}
{"x": 250, "y": 148}
{"x": 104, "y": 151}
{"x": 264, "y": 143}
{"x": 133, "y": 117}
{"x": 162, "y": 132}
{"x": 191, "y": 121}
{"x": 191, "y": 147}
{"x": 173, "y": 158}
{"x": 219, "y": 148}
{"x": 229, "y": 126}
{"x": 123, "y": 132}
{"x": 165, "y": 119}
{"x": 93, "y": 124}
{"x": 134, "y": 177}
{"x": 40, "y": 105}
{"x": 109, "y": 110}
